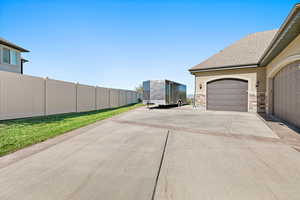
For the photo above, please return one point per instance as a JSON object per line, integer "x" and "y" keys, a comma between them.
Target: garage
{"x": 287, "y": 93}
{"x": 227, "y": 95}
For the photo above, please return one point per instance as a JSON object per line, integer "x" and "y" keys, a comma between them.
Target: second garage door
{"x": 227, "y": 95}
{"x": 287, "y": 93}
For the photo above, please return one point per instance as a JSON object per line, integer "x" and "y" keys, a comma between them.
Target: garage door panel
{"x": 286, "y": 93}
{"x": 227, "y": 94}
{"x": 228, "y": 91}
{"x": 228, "y": 83}
{"x": 228, "y": 108}
{"x": 225, "y": 97}
{"x": 233, "y": 102}
{"x": 226, "y": 86}
{"x": 228, "y": 105}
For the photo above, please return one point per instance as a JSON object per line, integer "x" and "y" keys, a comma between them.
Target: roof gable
{"x": 244, "y": 52}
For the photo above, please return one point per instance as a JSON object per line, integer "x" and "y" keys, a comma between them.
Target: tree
{"x": 139, "y": 89}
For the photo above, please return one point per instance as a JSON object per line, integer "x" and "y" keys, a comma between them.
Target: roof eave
{"x": 14, "y": 46}
{"x": 288, "y": 31}
{"x": 252, "y": 65}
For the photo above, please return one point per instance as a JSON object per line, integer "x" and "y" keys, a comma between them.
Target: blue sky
{"x": 121, "y": 43}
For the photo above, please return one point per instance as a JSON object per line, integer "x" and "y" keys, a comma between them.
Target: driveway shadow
{"x": 273, "y": 119}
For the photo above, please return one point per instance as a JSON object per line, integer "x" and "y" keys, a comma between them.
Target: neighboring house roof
{"x": 288, "y": 31}
{"x": 12, "y": 45}
{"x": 245, "y": 52}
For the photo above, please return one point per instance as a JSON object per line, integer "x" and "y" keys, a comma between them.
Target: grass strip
{"x": 19, "y": 133}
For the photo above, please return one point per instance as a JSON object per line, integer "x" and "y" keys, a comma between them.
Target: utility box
{"x": 163, "y": 92}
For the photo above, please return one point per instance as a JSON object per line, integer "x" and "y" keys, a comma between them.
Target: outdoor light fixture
{"x": 200, "y": 86}
{"x": 257, "y": 84}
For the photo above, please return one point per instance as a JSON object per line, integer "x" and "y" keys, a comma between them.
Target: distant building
{"x": 10, "y": 57}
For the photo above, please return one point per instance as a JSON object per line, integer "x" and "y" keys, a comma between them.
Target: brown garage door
{"x": 228, "y": 95}
{"x": 287, "y": 93}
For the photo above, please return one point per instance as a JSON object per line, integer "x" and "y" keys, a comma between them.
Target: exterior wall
{"x": 290, "y": 54}
{"x": 21, "y": 96}
{"x": 9, "y": 67}
{"x": 256, "y": 95}
{"x": 86, "y": 98}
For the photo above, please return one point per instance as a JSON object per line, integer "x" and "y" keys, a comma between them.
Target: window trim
{"x": 13, "y": 59}
{"x": 9, "y": 57}
{"x": 17, "y": 53}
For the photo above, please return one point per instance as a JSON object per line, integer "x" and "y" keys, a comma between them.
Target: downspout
{"x": 22, "y": 67}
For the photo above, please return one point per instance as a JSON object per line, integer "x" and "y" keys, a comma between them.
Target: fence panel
{"x": 86, "y": 98}
{"x": 21, "y": 96}
{"x": 128, "y": 97}
{"x": 132, "y": 97}
{"x": 123, "y": 97}
{"x": 27, "y": 96}
{"x": 114, "y": 98}
{"x": 60, "y": 97}
{"x": 103, "y": 101}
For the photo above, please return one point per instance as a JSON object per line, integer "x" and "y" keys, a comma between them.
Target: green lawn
{"x": 19, "y": 133}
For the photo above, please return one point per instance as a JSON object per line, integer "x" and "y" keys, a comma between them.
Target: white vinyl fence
{"x": 28, "y": 96}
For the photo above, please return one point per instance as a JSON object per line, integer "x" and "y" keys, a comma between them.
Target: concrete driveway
{"x": 172, "y": 154}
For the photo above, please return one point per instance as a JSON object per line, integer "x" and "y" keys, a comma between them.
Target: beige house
{"x": 259, "y": 73}
{"x": 10, "y": 57}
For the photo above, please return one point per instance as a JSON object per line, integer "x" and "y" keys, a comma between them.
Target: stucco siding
{"x": 293, "y": 49}
{"x": 254, "y": 76}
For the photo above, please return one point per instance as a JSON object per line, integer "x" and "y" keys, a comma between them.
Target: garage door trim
{"x": 278, "y": 67}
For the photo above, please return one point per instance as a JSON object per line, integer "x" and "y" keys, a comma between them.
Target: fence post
{"x": 76, "y": 95}
{"x": 96, "y": 97}
{"x": 45, "y": 95}
{"x": 109, "y": 101}
{"x": 119, "y": 99}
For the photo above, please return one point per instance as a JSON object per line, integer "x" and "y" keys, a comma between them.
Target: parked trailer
{"x": 163, "y": 92}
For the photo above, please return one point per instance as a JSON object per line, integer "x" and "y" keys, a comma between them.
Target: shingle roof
{"x": 12, "y": 45}
{"x": 246, "y": 51}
